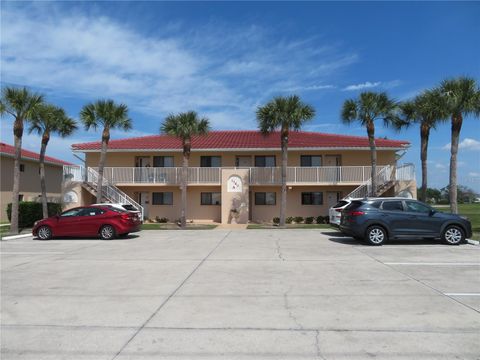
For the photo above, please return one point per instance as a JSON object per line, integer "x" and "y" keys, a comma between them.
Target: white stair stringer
{"x": 109, "y": 191}
{"x": 385, "y": 180}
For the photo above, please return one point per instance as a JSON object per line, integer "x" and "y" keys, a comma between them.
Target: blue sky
{"x": 224, "y": 59}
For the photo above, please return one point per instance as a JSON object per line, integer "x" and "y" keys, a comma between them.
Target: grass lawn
{"x": 4, "y": 230}
{"x": 290, "y": 226}
{"x": 472, "y": 211}
{"x": 157, "y": 226}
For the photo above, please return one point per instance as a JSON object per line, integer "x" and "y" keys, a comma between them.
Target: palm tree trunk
{"x": 283, "y": 195}
{"x": 43, "y": 186}
{"x": 101, "y": 165}
{"x": 424, "y": 136}
{"x": 186, "y": 157}
{"x": 456, "y": 127}
{"x": 373, "y": 156}
{"x": 17, "y": 133}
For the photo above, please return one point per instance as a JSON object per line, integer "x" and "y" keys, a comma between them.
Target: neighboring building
{"x": 234, "y": 176}
{"x": 29, "y": 177}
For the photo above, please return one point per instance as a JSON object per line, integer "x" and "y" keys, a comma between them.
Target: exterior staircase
{"x": 387, "y": 177}
{"x": 109, "y": 191}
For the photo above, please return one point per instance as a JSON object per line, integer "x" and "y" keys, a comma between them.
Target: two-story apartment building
{"x": 29, "y": 177}
{"x": 234, "y": 176}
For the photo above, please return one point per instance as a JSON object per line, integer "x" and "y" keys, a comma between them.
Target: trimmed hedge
{"x": 31, "y": 211}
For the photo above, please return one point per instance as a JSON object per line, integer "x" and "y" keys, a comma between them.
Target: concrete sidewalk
{"x": 256, "y": 294}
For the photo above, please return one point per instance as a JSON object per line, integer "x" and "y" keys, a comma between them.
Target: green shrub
{"x": 31, "y": 211}
{"x": 298, "y": 219}
{"x": 276, "y": 220}
{"x": 319, "y": 219}
{"x": 162, "y": 220}
{"x": 326, "y": 219}
{"x": 289, "y": 220}
{"x": 309, "y": 220}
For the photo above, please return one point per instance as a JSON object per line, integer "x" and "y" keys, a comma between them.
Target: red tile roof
{"x": 9, "y": 150}
{"x": 242, "y": 140}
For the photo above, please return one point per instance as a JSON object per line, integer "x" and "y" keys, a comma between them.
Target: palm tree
{"x": 284, "y": 113}
{"x": 107, "y": 114}
{"x": 184, "y": 126}
{"x": 21, "y": 105}
{"x": 461, "y": 98}
{"x": 47, "y": 120}
{"x": 366, "y": 109}
{"x": 426, "y": 110}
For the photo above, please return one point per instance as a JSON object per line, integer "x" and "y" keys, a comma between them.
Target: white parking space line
{"x": 462, "y": 294}
{"x": 32, "y": 253}
{"x": 433, "y": 264}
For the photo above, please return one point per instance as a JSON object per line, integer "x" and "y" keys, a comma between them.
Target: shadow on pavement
{"x": 67, "y": 238}
{"x": 349, "y": 241}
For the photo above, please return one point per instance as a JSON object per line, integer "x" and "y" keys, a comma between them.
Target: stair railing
{"x": 111, "y": 192}
{"x": 383, "y": 176}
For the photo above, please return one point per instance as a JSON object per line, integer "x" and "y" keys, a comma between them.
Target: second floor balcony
{"x": 323, "y": 175}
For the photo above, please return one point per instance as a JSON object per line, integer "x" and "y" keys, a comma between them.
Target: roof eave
{"x": 324, "y": 148}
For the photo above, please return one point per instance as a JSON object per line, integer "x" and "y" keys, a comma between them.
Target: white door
{"x": 142, "y": 161}
{"x": 332, "y": 198}
{"x": 333, "y": 172}
{"x": 143, "y": 199}
{"x": 332, "y": 160}
{"x": 243, "y": 161}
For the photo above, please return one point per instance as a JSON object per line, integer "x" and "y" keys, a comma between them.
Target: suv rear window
{"x": 340, "y": 204}
{"x": 354, "y": 205}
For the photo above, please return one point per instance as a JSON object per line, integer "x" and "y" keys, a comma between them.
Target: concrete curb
{"x": 473, "y": 242}
{"x": 16, "y": 236}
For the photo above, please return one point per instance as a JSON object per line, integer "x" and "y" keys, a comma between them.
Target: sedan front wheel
{"x": 44, "y": 232}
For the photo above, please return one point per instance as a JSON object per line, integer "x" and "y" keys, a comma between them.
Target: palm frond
{"x": 106, "y": 114}
{"x": 283, "y": 112}
{"x": 19, "y": 102}
{"x": 185, "y": 125}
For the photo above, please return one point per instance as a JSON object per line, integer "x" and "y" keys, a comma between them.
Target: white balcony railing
{"x": 258, "y": 175}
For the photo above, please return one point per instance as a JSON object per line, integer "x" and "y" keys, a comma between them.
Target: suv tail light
{"x": 338, "y": 210}
{"x": 356, "y": 213}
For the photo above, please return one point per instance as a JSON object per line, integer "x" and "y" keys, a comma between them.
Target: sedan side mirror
{"x": 432, "y": 212}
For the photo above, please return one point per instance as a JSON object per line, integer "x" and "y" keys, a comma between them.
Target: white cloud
{"x": 440, "y": 166}
{"x": 474, "y": 174}
{"x": 311, "y": 88}
{"x": 466, "y": 144}
{"x": 369, "y": 85}
{"x": 206, "y": 69}
{"x": 365, "y": 85}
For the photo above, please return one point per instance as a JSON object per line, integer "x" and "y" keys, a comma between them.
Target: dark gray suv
{"x": 376, "y": 220}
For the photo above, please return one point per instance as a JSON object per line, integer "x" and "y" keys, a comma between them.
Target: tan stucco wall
{"x": 235, "y": 200}
{"x": 410, "y": 187}
{"x": 29, "y": 182}
{"x": 265, "y": 213}
{"x": 195, "y": 211}
{"x": 348, "y": 158}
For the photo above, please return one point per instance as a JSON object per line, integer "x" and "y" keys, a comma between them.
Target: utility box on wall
{"x": 235, "y": 195}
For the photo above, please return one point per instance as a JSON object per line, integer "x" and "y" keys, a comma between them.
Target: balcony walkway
{"x": 324, "y": 175}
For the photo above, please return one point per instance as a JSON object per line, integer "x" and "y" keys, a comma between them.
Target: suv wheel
{"x": 453, "y": 235}
{"x": 107, "y": 232}
{"x": 376, "y": 235}
{"x": 44, "y": 232}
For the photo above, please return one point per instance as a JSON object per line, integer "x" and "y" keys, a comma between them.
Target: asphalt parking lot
{"x": 252, "y": 294}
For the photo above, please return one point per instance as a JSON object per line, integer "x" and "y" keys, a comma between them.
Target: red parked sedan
{"x": 103, "y": 221}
